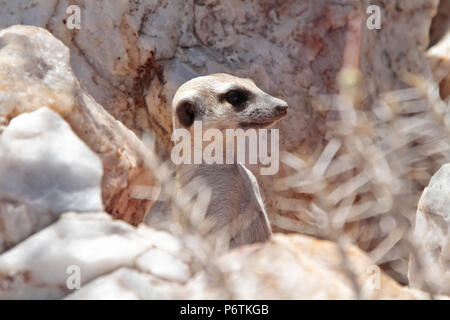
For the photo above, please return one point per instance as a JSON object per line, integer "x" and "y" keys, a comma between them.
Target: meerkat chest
{"x": 230, "y": 193}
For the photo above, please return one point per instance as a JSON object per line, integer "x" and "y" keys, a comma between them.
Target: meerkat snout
{"x": 281, "y": 110}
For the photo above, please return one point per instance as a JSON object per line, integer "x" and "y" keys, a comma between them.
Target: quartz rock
{"x": 432, "y": 236}
{"x": 45, "y": 170}
{"x": 73, "y": 251}
{"x": 126, "y": 284}
{"x": 302, "y": 267}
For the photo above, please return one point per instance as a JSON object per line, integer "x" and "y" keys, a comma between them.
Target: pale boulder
{"x": 45, "y": 170}
{"x": 432, "y": 237}
{"x": 73, "y": 251}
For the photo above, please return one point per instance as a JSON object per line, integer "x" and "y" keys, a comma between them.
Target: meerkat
{"x": 221, "y": 101}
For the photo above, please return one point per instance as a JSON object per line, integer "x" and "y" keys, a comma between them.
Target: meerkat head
{"x": 223, "y": 101}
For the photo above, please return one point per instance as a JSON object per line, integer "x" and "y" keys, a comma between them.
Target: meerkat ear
{"x": 186, "y": 112}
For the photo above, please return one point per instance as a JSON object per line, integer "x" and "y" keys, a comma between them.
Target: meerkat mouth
{"x": 259, "y": 125}
{"x": 255, "y": 125}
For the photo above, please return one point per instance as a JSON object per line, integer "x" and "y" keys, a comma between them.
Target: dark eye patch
{"x": 236, "y": 97}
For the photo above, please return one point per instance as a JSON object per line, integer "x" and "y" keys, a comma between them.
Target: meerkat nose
{"x": 281, "y": 109}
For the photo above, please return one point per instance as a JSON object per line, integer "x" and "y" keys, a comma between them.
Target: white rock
{"x": 94, "y": 243}
{"x": 35, "y": 72}
{"x": 46, "y": 170}
{"x": 301, "y": 267}
{"x": 163, "y": 265}
{"x": 126, "y": 284}
{"x": 432, "y": 236}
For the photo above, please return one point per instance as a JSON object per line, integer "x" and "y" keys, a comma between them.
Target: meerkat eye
{"x": 236, "y": 97}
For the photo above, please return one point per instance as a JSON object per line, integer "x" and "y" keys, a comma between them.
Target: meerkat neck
{"x": 214, "y": 172}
